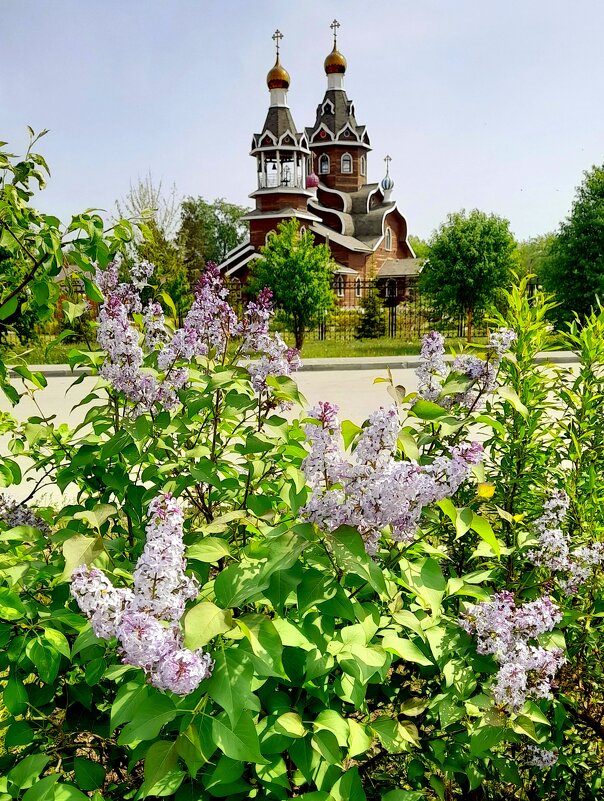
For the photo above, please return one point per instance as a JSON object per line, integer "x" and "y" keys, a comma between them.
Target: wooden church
{"x": 319, "y": 175}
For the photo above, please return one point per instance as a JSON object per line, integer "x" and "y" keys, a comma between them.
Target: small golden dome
{"x": 278, "y": 76}
{"x": 335, "y": 62}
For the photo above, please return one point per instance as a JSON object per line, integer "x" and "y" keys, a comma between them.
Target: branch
{"x": 30, "y": 275}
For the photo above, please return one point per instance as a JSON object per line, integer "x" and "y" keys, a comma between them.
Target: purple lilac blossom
{"x": 501, "y": 341}
{"x": 433, "y": 370}
{"x": 376, "y": 491}
{"x": 18, "y": 514}
{"x": 541, "y": 757}
{"x": 505, "y": 631}
{"x": 553, "y": 551}
{"x": 145, "y": 618}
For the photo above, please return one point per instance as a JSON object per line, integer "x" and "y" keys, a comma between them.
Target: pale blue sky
{"x": 493, "y": 104}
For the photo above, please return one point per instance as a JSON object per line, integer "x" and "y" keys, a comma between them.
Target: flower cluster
{"x": 482, "y": 373}
{"x": 207, "y": 330}
{"x": 145, "y": 618}
{"x": 18, "y": 514}
{"x": 376, "y": 491}
{"x": 509, "y": 633}
{"x": 541, "y": 757}
{"x": 554, "y": 552}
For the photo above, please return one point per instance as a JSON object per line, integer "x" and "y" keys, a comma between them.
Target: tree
{"x": 532, "y": 254}
{"x": 470, "y": 261}
{"x": 574, "y": 271}
{"x": 421, "y": 248}
{"x": 208, "y": 231}
{"x": 147, "y": 202}
{"x": 372, "y": 321}
{"x": 299, "y": 273}
{"x": 170, "y": 272}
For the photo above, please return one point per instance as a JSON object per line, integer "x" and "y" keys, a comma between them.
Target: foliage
{"x": 146, "y": 202}
{"x": 299, "y": 273}
{"x": 574, "y": 271}
{"x": 421, "y": 248}
{"x": 470, "y": 262}
{"x": 208, "y": 231}
{"x": 372, "y": 322}
{"x": 532, "y": 255}
{"x": 22, "y": 321}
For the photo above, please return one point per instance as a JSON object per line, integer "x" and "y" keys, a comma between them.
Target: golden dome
{"x": 335, "y": 62}
{"x": 278, "y": 76}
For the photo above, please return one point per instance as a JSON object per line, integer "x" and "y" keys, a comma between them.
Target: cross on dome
{"x": 334, "y": 27}
{"x": 277, "y": 36}
{"x": 387, "y": 159}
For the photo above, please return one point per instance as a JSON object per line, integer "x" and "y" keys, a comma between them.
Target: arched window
{"x": 324, "y": 164}
{"x": 388, "y": 238}
{"x": 347, "y": 163}
{"x": 363, "y": 165}
{"x": 357, "y": 287}
{"x": 339, "y": 286}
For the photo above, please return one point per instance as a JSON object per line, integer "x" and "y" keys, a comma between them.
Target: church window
{"x": 327, "y": 107}
{"x": 347, "y": 163}
{"x": 357, "y": 287}
{"x": 340, "y": 286}
{"x": 363, "y": 165}
{"x": 324, "y": 164}
{"x": 391, "y": 288}
{"x": 388, "y": 238}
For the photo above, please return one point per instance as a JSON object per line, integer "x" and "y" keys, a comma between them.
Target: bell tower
{"x": 339, "y": 145}
{"x": 282, "y": 161}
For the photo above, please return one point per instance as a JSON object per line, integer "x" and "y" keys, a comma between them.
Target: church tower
{"x": 338, "y": 144}
{"x": 282, "y": 158}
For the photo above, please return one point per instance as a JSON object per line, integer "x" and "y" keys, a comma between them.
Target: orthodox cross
{"x": 277, "y": 36}
{"x": 334, "y": 27}
{"x": 388, "y": 160}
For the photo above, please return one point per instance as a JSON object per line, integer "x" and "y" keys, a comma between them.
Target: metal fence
{"x": 397, "y": 309}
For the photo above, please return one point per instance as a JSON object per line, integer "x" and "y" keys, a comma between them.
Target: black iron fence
{"x": 375, "y": 309}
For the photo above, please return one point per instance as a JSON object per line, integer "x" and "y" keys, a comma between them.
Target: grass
{"x": 35, "y": 353}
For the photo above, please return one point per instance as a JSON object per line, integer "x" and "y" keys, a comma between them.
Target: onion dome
{"x": 387, "y": 183}
{"x": 312, "y": 181}
{"x": 278, "y": 76}
{"x": 335, "y": 62}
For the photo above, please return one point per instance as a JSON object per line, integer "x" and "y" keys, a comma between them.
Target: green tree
{"x": 208, "y": 231}
{"x": 170, "y": 272}
{"x": 574, "y": 271}
{"x": 533, "y": 253}
{"x": 470, "y": 261}
{"x": 372, "y": 321}
{"x": 421, "y": 248}
{"x": 299, "y": 273}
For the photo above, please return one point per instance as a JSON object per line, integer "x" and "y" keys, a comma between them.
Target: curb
{"x": 318, "y": 365}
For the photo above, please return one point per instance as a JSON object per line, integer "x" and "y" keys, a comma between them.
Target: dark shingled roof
{"x": 342, "y": 114}
{"x": 279, "y": 120}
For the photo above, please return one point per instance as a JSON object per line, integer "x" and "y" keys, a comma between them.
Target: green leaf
{"x": 91, "y": 289}
{"x": 205, "y": 621}
{"x": 484, "y": 739}
{"x": 88, "y": 774}
{"x": 426, "y": 410}
{"x": 148, "y": 720}
{"x": 15, "y": 696}
{"x": 80, "y": 550}
{"x": 161, "y": 758}
{"x": 332, "y": 721}
{"x": 11, "y": 607}
{"x": 46, "y": 660}
{"x": 405, "y": 649}
{"x": 43, "y": 789}
{"x": 238, "y": 741}
{"x": 394, "y": 735}
{"x": 348, "y": 787}
{"x": 18, "y": 733}
{"x": 101, "y": 512}
{"x": 26, "y": 772}
{"x": 129, "y": 698}
{"x": 349, "y": 432}
{"x": 326, "y": 743}
{"x": 230, "y": 684}
{"x": 510, "y": 395}
{"x": 290, "y": 724}
{"x": 9, "y": 308}
{"x": 67, "y": 792}
{"x": 264, "y": 639}
{"x": 351, "y": 557}
{"x": 209, "y": 549}
{"x": 483, "y": 528}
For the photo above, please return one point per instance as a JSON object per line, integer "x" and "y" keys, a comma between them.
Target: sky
{"x": 488, "y": 104}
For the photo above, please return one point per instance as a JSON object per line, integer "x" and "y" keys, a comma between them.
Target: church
{"x": 320, "y": 177}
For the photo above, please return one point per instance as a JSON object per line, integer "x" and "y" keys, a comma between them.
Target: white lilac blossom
{"x": 375, "y": 491}
{"x": 145, "y": 619}
{"x": 276, "y": 357}
{"x": 15, "y": 514}
{"x": 541, "y": 757}
{"x": 154, "y": 326}
{"x": 433, "y": 370}
{"x": 554, "y": 549}
{"x": 510, "y": 634}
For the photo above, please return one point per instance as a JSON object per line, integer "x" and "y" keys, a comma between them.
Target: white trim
{"x": 315, "y": 204}
{"x": 340, "y": 283}
{"x": 230, "y": 256}
{"x": 345, "y": 197}
{"x": 327, "y": 102}
{"x": 241, "y": 264}
{"x": 357, "y": 288}
{"x": 284, "y": 213}
{"x": 340, "y": 133}
{"x": 363, "y": 165}
{"x": 388, "y": 239}
{"x": 324, "y": 158}
{"x": 282, "y": 137}
{"x": 322, "y": 127}
{"x": 350, "y": 161}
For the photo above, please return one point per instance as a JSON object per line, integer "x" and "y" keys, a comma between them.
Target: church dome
{"x": 278, "y": 77}
{"x": 335, "y": 62}
{"x": 387, "y": 183}
{"x": 312, "y": 181}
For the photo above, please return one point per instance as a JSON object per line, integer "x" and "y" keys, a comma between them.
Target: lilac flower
{"x": 501, "y": 341}
{"x": 540, "y": 757}
{"x": 508, "y": 632}
{"x": 18, "y": 514}
{"x": 554, "y": 548}
{"x": 145, "y": 619}
{"x": 433, "y": 370}
{"x": 154, "y": 326}
{"x": 375, "y": 491}
{"x": 140, "y": 273}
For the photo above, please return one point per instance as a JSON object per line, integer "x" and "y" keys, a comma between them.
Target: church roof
{"x": 393, "y": 268}
{"x": 335, "y": 116}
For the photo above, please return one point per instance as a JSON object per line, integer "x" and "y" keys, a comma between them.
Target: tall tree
{"x": 147, "y": 202}
{"x": 300, "y": 275}
{"x": 471, "y": 259}
{"x": 574, "y": 271}
{"x": 208, "y": 231}
{"x": 533, "y": 253}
